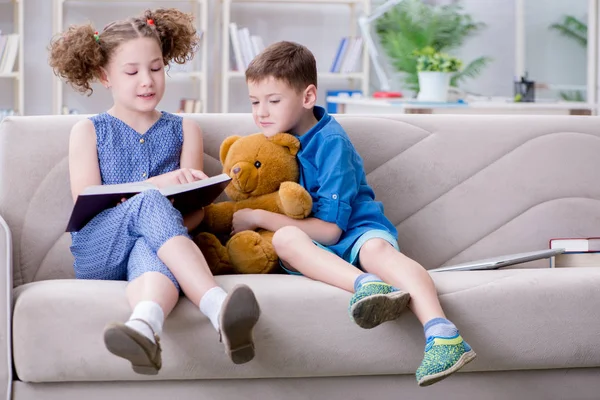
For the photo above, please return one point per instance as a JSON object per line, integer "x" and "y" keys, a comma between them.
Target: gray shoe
{"x": 127, "y": 343}
{"x": 239, "y": 315}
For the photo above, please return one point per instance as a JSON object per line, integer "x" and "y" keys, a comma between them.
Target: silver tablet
{"x": 500, "y": 261}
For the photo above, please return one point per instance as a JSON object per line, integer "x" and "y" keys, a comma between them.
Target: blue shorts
{"x": 351, "y": 255}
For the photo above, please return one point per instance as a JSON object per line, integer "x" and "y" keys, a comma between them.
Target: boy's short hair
{"x": 286, "y": 61}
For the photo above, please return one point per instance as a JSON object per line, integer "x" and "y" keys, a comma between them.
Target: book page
{"x": 185, "y": 187}
{"x": 134, "y": 187}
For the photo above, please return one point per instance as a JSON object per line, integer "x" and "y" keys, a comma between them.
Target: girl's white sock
{"x": 152, "y": 314}
{"x": 211, "y": 304}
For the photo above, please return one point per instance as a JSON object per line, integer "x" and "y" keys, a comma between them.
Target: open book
{"x": 186, "y": 197}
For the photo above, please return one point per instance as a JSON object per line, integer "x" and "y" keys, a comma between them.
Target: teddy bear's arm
{"x": 268, "y": 202}
{"x": 291, "y": 200}
{"x": 295, "y": 200}
{"x": 218, "y": 217}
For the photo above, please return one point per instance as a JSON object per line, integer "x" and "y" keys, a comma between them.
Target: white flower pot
{"x": 433, "y": 86}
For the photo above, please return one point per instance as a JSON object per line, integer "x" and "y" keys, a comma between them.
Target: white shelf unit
{"x": 199, "y": 77}
{"x": 227, "y": 74}
{"x": 17, "y": 76}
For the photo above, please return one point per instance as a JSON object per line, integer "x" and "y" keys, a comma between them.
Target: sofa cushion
{"x": 457, "y": 187}
{"x": 514, "y": 319}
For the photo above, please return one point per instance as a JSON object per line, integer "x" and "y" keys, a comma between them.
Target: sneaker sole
{"x": 376, "y": 309}
{"x": 238, "y": 318}
{"x": 120, "y": 341}
{"x": 462, "y": 361}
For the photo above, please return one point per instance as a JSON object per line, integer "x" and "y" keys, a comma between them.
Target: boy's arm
{"x": 323, "y": 232}
{"x": 339, "y": 172}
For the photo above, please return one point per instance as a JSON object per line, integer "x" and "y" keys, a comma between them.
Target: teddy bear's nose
{"x": 236, "y": 170}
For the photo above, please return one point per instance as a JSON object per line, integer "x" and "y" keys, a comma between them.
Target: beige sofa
{"x": 457, "y": 187}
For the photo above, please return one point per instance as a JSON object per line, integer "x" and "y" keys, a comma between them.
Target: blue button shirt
{"x": 332, "y": 172}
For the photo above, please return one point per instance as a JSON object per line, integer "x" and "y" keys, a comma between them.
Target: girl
{"x": 144, "y": 240}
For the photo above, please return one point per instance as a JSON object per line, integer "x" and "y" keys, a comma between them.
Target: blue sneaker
{"x": 375, "y": 303}
{"x": 443, "y": 357}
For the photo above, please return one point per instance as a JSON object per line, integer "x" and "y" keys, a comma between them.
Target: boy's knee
{"x": 374, "y": 247}
{"x": 285, "y": 238}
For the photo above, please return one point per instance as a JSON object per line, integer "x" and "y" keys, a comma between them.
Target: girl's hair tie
{"x": 96, "y": 37}
{"x": 150, "y": 22}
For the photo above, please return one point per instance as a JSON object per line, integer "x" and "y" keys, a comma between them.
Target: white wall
{"x": 552, "y": 58}
{"x": 497, "y": 41}
{"x": 6, "y": 85}
{"x": 318, "y": 27}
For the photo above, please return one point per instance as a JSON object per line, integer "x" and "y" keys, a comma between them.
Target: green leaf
{"x": 572, "y": 28}
{"x": 472, "y": 70}
{"x": 572, "y": 96}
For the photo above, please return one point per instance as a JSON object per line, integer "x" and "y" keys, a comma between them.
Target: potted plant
{"x": 435, "y": 69}
{"x": 413, "y": 25}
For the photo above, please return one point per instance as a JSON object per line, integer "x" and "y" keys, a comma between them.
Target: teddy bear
{"x": 264, "y": 175}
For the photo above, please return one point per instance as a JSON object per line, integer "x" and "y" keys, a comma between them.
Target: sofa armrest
{"x": 6, "y": 289}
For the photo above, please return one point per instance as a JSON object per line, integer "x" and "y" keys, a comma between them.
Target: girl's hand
{"x": 245, "y": 219}
{"x": 178, "y": 177}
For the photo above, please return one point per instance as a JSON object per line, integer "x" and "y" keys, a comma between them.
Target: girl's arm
{"x": 84, "y": 170}
{"x": 192, "y": 156}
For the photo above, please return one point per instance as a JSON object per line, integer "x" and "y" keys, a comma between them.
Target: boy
{"x": 347, "y": 229}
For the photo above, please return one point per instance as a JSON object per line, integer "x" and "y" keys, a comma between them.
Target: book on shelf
{"x": 186, "y": 197}
{"x": 245, "y": 46}
{"x": 9, "y": 49}
{"x": 579, "y": 252}
{"x": 347, "y": 55}
{"x": 190, "y": 106}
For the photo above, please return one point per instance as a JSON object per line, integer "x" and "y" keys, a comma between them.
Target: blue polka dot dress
{"x": 121, "y": 243}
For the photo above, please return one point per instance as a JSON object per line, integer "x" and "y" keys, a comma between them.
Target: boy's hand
{"x": 244, "y": 220}
{"x": 177, "y": 177}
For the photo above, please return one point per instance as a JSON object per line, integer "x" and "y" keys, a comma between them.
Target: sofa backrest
{"x": 457, "y": 187}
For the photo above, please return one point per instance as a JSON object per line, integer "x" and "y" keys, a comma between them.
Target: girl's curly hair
{"x": 77, "y": 54}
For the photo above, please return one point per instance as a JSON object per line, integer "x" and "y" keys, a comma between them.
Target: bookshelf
{"x": 16, "y": 75}
{"x": 196, "y": 76}
{"x": 228, "y": 74}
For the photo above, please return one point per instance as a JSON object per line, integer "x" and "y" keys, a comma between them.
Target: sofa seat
{"x": 514, "y": 318}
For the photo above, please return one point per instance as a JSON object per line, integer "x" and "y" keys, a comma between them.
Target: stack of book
{"x": 9, "y": 47}
{"x": 579, "y": 252}
{"x": 347, "y": 56}
{"x": 245, "y": 46}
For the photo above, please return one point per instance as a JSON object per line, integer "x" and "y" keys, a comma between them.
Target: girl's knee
{"x": 153, "y": 196}
{"x": 286, "y": 238}
{"x": 154, "y": 277}
{"x": 146, "y": 198}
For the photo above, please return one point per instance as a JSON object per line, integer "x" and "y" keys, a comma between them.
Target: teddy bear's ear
{"x": 288, "y": 141}
{"x": 226, "y": 145}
